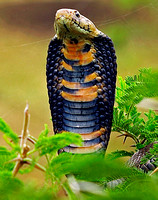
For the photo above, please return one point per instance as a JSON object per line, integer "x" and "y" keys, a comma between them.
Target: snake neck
{"x": 79, "y": 93}
{"x": 80, "y": 51}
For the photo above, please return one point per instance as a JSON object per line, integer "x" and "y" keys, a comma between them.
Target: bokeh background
{"x": 26, "y": 27}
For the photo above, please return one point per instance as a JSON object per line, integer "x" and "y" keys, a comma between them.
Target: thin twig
{"x": 153, "y": 172}
{"x": 24, "y": 148}
{"x": 28, "y": 138}
{"x": 37, "y": 165}
{"x": 18, "y": 165}
{"x": 126, "y": 133}
{"x": 25, "y": 127}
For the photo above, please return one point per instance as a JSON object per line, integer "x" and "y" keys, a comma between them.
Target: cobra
{"x": 81, "y": 78}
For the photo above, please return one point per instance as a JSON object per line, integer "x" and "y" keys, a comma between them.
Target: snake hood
{"x": 81, "y": 79}
{"x": 70, "y": 24}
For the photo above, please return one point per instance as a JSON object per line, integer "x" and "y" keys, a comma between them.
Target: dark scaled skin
{"x": 135, "y": 160}
{"x": 81, "y": 76}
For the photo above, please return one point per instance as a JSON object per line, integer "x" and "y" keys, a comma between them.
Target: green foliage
{"x": 4, "y": 128}
{"x": 147, "y": 82}
{"x": 92, "y": 172}
{"x": 5, "y": 157}
{"x": 155, "y": 149}
{"x": 53, "y": 143}
{"x": 141, "y": 188}
{"x": 8, "y": 185}
{"x": 126, "y": 119}
{"x": 132, "y": 125}
{"x": 133, "y": 89}
{"x": 13, "y": 188}
{"x": 119, "y": 154}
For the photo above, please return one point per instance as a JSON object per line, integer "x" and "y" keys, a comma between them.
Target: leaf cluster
{"x": 134, "y": 88}
{"x": 126, "y": 118}
{"x": 51, "y": 144}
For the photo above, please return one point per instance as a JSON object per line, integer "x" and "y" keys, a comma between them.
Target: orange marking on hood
{"x": 90, "y": 77}
{"x": 86, "y": 150}
{"x": 92, "y": 135}
{"x": 76, "y": 97}
{"x": 71, "y": 85}
{"x": 66, "y": 66}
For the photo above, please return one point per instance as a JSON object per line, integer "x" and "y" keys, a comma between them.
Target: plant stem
{"x": 119, "y": 130}
{"x": 153, "y": 172}
{"x": 25, "y": 127}
{"x": 24, "y": 148}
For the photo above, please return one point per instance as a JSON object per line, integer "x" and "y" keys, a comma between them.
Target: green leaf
{"x": 4, "y": 151}
{"x": 15, "y": 189}
{"x": 126, "y": 118}
{"x": 55, "y": 142}
{"x": 5, "y": 157}
{"x": 91, "y": 167}
{"x": 44, "y": 133}
{"x": 4, "y": 128}
{"x": 119, "y": 154}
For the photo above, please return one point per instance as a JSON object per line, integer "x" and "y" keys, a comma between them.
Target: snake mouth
{"x": 66, "y": 27}
{"x": 72, "y": 22}
{"x": 83, "y": 28}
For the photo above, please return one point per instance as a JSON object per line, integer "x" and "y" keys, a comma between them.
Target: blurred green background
{"x": 26, "y": 27}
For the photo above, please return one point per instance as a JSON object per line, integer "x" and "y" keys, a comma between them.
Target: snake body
{"x": 81, "y": 77}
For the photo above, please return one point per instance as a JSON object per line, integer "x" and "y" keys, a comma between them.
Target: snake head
{"x": 70, "y": 23}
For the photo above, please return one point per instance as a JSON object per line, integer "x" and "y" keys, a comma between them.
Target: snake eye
{"x": 77, "y": 14}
